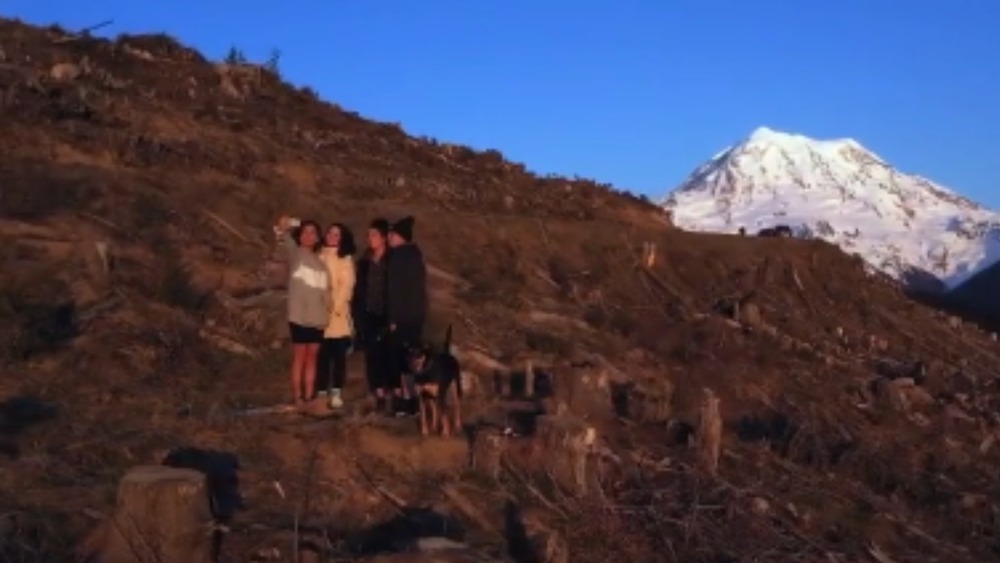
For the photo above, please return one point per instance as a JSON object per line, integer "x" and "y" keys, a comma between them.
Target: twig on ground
{"x": 102, "y": 221}
{"x": 225, "y": 225}
{"x": 531, "y": 489}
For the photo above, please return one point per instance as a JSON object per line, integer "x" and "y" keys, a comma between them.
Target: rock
{"x": 954, "y": 322}
{"x": 972, "y": 501}
{"x": 139, "y": 53}
{"x": 760, "y": 506}
{"x": 65, "y": 72}
{"x": 902, "y": 395}
{"x": 163, "y": 511}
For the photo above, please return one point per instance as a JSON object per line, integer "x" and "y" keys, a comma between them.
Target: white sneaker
{"x": 336, "y": 401}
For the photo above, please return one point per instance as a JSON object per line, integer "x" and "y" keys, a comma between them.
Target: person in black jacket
{"x": 370, "y": 315}
{"x": 406, "y": 301}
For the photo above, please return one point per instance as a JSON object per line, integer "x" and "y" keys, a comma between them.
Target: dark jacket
{"x": 407, "y": 291}
{"x": 364, "y": 319}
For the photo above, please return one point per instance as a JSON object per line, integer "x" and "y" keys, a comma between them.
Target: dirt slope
{"x": 173, "y": 168}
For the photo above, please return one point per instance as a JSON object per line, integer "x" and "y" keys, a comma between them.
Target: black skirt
{"x": 305, "y": 334}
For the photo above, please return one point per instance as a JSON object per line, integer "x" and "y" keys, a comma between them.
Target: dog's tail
{"x": 447, "y": 340}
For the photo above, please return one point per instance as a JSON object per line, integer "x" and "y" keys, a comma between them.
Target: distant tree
{"x": 235, "y": 56}
{"x": 272, "y": 62}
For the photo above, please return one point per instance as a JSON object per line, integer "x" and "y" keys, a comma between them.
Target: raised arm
{"x": 283, "y": 230}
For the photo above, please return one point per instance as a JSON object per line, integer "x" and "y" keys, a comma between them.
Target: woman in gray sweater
{"x": 308, "y": 301}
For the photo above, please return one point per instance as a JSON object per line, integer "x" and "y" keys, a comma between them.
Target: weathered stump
{"x": 487, "y": 451}
{"x": 560, "y": 446}
{"x": 583, "y": 390}
{"x": 162, "y": 515}
{"x": 647, "y": 403}
{"x": 564, "y": 447}
{"x": 709, "y": 433}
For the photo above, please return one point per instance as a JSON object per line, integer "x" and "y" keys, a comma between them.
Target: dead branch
{"x": 226, "y": 226}
{"x": 83, "y": 33}
{"x": 531, "y": 489}
{"x": 102, "y": 221}
{"x": 465, "y": 506}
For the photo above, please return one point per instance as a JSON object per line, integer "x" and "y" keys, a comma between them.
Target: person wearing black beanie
{"x": 402, "y": 229}
{"x": 407, "y": 302}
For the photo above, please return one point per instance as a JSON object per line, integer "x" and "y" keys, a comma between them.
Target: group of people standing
{"x": 336, "y": 302}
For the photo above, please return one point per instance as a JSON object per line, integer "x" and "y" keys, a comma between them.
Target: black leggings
{"x": 377, "y": 361}
{"x": 331, "y": 366}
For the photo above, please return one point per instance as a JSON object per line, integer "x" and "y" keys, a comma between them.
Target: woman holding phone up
{"x": 308, "y": 301}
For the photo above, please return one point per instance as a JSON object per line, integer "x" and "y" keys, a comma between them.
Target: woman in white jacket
{"x": 331, "y": 367}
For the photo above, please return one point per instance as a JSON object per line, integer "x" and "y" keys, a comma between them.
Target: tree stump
{"x": 162, "y": 516}
{"x": 709, "y": 435}
{"x": 563, "y": 446}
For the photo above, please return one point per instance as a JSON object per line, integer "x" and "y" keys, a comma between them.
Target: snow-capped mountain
{"x": 901, "y": 224}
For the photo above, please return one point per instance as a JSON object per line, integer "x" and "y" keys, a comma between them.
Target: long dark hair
{"x": 297, "y": 233}
{"x": 347, "y": 247}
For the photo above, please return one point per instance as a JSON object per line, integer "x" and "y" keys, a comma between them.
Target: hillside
{"x": 906, "y": 226}
{"x": 979, "y": 296}
{"x": 142, "y": 317}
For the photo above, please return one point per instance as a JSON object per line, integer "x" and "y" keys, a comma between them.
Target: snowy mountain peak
{"x": 764, "y": 134}
{"x": 840, "y": 191}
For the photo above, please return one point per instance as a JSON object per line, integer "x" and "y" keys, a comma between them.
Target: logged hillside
{"x": 141, "y": 315}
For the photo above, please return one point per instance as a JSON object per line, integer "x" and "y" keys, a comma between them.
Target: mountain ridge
{"x": 903, "y": 224}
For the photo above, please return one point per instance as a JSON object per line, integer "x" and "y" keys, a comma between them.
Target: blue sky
{"x": 632, "y": 92}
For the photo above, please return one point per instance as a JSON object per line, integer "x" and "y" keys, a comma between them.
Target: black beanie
{"x": 404, "y": 228}
{"x": 381, "y": 225}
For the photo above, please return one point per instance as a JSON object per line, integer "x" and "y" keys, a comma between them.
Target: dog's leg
{"x": 457, "y": 396}
{"x": 422, "y": 402}
{"x": 436, "y": 418}
{"x": 446, "y": 426}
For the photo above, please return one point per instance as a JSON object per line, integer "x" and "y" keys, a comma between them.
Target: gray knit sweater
{"x": 308, "y": 286}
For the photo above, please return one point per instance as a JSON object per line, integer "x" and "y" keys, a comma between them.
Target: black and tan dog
{"x": 437, "y": 377}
